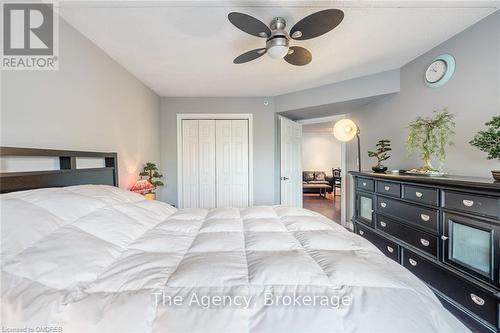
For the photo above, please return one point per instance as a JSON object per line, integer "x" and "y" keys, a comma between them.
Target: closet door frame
{"x": 214, "y": 116}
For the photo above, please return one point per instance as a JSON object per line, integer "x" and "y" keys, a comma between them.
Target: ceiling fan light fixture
{"x": 277, "y": 47}
{"x": 277, "y": 51}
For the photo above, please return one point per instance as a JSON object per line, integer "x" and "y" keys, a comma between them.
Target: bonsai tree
{"x": 150, "y": 170}
{"x": 383, "y": 146}
{"x": 489, "y": 139}
{"x": 430, "y": 136}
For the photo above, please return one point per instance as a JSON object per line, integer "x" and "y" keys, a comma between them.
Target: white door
{"x": 232, "y": 163}
{"x": 206, "y": 164}
{"x": 291, "y": 163}
{"x": 190, "y": 163}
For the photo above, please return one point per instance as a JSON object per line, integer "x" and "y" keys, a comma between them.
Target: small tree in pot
{"x": 489, "y": 142}
{"x": 430, "y": 136}
{"x": 151, "y": 171}
{"x": 383, "y": 146}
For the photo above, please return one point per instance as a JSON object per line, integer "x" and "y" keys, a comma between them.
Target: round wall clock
{"x": 440, "y": 71}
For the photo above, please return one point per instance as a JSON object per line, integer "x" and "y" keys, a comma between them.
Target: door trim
{"x": 343, "y": 166}
{"x": 214, "y": 116}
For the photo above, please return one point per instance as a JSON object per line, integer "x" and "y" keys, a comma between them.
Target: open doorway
{"x": 323, "y": 164}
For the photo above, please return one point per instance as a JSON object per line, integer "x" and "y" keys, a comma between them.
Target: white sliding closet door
{"x": 232, "y": 163}
{"x": 190, "y": 164}
{"x": 206, "y": 132}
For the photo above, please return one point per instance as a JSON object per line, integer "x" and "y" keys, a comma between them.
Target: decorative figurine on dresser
{"x": 443, "y": 229}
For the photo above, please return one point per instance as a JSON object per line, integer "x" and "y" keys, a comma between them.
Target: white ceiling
{"x": 186, "y": 48}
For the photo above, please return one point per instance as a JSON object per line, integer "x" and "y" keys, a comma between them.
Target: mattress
{"x": 100, "y": 259}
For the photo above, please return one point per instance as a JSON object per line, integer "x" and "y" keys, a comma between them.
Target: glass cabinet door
{"x": 365, "y": 208}
{"x": 470, "y": 246}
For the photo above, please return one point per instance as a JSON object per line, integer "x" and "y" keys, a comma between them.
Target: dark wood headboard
{"x": 67, "y": 174}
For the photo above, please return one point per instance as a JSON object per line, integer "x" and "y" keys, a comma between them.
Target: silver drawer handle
{"x": 383, "y": 204}
{"x": 383, "y": 224}
{"x": 468, "y": 203}
{"x": 476, "y": 299}
{"x": 387, "y": 188}
{"x": 390, "y": 249}
{"x": 424, "y": 242}
{"x": 412, "y": 262}
{"x": 444, "y": 237}
{"x": 425, "y": 217}
{"x": 419, "y": 194}
{"x": 361, "y": 232}
{"x": 364, "y": 184}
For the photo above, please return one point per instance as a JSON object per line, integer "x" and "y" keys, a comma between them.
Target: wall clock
{"x": 440, "y": 71}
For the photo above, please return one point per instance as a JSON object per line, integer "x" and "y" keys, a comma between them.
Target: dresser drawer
{"x": 424, "y": 195}
{"x": 479, "y": 301}
{"x": 425, "y": 218}
{"x": 365, "y": 184}
{"x": 419, "y": 239}
{"x": 471, "y": 203}
{"x": 390, "y": 249}
{"x": 387, "y": 188}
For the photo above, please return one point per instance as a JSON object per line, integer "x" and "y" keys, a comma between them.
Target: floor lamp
{"x": 345, "y": 130}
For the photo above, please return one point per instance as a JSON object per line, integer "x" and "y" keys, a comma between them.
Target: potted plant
{"x": 383, "y": 146}
{"x": 489, "y": 142}
{"x": 150, "y": 171}
{"x": 430, "y": 136}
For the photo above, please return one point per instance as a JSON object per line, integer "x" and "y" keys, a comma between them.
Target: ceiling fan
{"x": 278, "y": 40}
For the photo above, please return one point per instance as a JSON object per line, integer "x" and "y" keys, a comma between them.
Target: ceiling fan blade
{"x": 317, "y": 24}
{"x": 298, "y": 56}
{"x": 249, "y": 56}
{"x": 249, "y": 24}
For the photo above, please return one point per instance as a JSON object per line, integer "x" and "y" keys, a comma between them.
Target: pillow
{"x": 307, "y": 176}
{"x": 319, "y": 175}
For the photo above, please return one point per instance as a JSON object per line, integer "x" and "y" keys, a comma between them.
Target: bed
{"x": 95, "y": 258}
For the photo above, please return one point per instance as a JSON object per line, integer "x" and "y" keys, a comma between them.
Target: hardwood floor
{"x": 328, "y": 206}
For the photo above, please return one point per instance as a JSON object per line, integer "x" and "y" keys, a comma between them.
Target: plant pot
{"x": 496, "y": 175}
{"x": 379, "y": 168}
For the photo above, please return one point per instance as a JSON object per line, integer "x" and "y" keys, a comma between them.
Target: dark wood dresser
{"x": 445, "y": 230}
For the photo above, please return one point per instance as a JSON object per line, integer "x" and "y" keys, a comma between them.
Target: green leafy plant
{"x": 489, "y": 139}
{"x": 430, "y": 136}
{"x": 383, "y": 146}
{"x": 150, "y": 170}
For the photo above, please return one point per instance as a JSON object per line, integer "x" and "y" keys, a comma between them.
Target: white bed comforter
{"x": 100, "y": 259}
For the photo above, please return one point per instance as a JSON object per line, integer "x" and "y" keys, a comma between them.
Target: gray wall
{"x": 359, "y": 88}
{"x": 90, "y": 103}
{"x": 266, "y": 129}
{"x": 263, "y": 145}
{"x": 473, "y": 94}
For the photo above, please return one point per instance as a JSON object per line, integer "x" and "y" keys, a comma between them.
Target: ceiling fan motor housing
{"x": 277, "y": 44}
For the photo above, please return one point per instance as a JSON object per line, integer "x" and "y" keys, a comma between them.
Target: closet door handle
{"x": 383, "y": 224}
{"x": 419, "y": 194}
{"x": 425, "y": 217}
{"x": 383, "y": 204}
{"x": 412, "y": 262}
{"x": 390, "y": 249}
{"x": 387, "y": 188}
{"x": 284, "y": 178}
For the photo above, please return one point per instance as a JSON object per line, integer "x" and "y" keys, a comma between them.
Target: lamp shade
{"x": 142, "y": 186}
{"x": 345, "y": 130}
